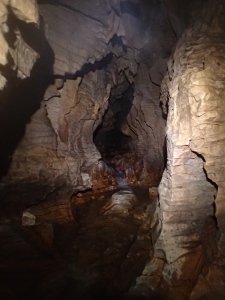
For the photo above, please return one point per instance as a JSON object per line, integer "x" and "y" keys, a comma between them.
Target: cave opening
{"x": 108, "y": 137}
{"x": 115, "y": 146}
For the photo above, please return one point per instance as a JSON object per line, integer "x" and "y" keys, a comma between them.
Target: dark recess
{"x": 21, "y": 98}
{"x": 127, "y": 7}
{"x": 112, "y": 141}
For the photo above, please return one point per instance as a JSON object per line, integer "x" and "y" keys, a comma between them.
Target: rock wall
{"x": 192, "y": 187}
{"x": 88, "y": 63}
{"x": 92, "y": 52}
{"x": 56, "y": 83}
{"x": 58, "y": 138}
{"x": 164, "y": 23}
{"x": 26, "y": 11}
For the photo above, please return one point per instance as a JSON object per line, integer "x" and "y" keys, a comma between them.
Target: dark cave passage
{"x": 122, "y": 165}
{"x": 112, "y": 143}
{"x": 108, "y": 137}
{"x": 112, "y": 150}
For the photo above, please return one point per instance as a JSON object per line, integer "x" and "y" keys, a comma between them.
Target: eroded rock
{"x": 28, "y": 219}
{"x": 121, "y": 202}
{"x": 55, "y": 209}
{"x": 195, "y": 154}
{"x": 26, "y": 11}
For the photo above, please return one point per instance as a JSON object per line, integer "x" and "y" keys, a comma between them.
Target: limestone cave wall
{"x": 68, "y": 69}
{"x": 90, "y": 52}
{"x": 191, "y": 190}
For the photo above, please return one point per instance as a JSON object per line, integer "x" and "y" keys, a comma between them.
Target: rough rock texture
{"x": 195, "y": 144}
{"x": 96, "y": 257}
{"x": 51, "y": 154}
{"x": 92, "y": 56}
{"x": 122, "y": 170}
{"x": 164, "y": 23}
{"x": 26, "y": 11}
{"x": 56, "y": 209}
{"x": 69, "y": 80}
{"x": 121, "y": 203}
{"x": 23, "y": 56}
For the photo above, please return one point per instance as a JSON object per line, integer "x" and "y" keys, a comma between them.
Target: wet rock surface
{"x": 97, "y": 255}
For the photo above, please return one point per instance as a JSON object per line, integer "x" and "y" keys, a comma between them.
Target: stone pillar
{"x": 196, "y": 155}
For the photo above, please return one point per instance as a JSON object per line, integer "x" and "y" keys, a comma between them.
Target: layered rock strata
{"x": 192, "y": 187}
{"x": 91, "y": 55}
{"x": 94, "y": 52}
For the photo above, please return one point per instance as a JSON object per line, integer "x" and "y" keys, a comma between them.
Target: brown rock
{"x": 153, "y": 192}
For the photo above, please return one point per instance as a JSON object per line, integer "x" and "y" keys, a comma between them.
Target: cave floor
{"x": 98, "y": 256}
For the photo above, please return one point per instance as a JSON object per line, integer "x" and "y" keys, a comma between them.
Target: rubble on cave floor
{"x": 99, "y": 254}
{"x": 116, "y": 172}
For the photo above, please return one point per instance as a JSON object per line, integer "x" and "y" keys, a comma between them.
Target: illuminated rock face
{"x": 25, "y": 10}
{"x": 195, "y": 145}
{"x": 90, "y": 53}
{"x": 23, "y": 56}
{"x": 98, "y": 58}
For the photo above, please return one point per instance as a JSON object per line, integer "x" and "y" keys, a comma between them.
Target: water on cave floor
{"x": 98, "y": 256}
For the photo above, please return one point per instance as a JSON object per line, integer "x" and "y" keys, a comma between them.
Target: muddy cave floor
{"x": 98, "y": 256}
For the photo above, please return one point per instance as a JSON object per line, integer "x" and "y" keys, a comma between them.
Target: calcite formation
{"x": 192, "y": 187}
{"x": 90, "y": 58}
{"x": 24, "y": 57}
{"x": 75, "y": 73}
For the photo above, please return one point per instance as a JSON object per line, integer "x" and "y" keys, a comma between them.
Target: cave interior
{"x": 112, "y": 160}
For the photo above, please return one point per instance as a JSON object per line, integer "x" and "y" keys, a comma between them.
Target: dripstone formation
{"x": 101, "y": 102}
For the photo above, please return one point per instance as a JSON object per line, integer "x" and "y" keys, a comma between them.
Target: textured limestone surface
{"x": 89, "y": 57}
{"x": 18, "y": 55}
{"x": 85, "y": 70}
{"x": 121, "y": 203}
{"x": 192, "y": 187}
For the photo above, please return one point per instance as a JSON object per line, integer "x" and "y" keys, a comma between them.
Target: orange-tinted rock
{"x": 53, "y": 210}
